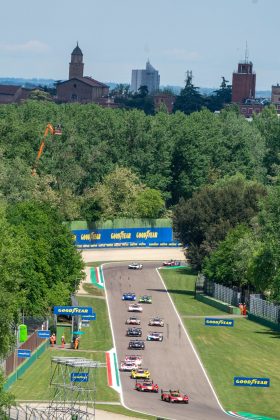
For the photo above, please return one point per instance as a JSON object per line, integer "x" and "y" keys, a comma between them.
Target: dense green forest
{"x": 216, "y": 175}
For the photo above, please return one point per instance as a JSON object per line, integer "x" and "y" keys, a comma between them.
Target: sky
{"x": 206, "y": 36}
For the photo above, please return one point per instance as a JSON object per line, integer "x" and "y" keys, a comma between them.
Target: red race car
{"x": 171, "y": 263}
{"x": 174, "y": 396}
{"x": 146, "y": 386}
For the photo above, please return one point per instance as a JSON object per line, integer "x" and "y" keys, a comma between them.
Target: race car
{"x": 171, "y": 263}
{"x": 128, "y": 366}
{"x": 134, "y": 332}
{"x": 156, "y": 322}
{"x": 174, "y": 396}
{"x": 135, "y": 308}
{"x": 136, "y": 345}
{"x": 129, "y": 296}
{"x": 133, "y": 320}
{"x": 140, "y": 373}
{"x": 134, "y": 359}
{"x": 135, "y": 266}
{"x": 145, "y": 299}
{"x": 155, "y": 336}
{"x": 146, "y": 386}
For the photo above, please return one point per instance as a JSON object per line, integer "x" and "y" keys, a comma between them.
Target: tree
{"x": 6, "y": 399}
{"x": 149, "y": 204}
{"x": 189, "y": 100}
{"x": 203, "y": 221}
{"x": 220, "y": 97}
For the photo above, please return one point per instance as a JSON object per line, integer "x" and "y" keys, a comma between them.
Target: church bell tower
{"x": 76, "y": 66}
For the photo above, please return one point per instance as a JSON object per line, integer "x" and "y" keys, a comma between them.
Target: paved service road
{"x": 172, "y": 363}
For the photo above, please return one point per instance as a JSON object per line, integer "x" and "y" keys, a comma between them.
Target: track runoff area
{"x": 173, "y": 363}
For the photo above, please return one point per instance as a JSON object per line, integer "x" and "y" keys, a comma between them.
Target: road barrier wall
{"x": 222, "y": 306}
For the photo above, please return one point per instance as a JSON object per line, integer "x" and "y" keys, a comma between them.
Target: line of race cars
{"x": 133, "y": 363}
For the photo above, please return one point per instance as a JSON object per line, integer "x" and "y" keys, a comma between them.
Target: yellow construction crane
{"x": 54, "y": 131}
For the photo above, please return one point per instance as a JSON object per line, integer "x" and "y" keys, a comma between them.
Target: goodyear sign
{"x": 72, "y": 310}
{"x": 79, "y": 377}
{"x": 23, "y": 353}
{"x": 128, "y": 237}
{"x": 43, "y": 333}
{"x": 217, "y": 322}
{"x": 258, "y": 382}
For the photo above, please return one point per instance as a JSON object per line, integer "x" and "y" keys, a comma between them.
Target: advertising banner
{"x": 43, "y": 334}
{"x": 23, "y": 353}
{"x": 127, "y": 237}
{"x": 79, "y": 377}
{"x": 245, "y": 381}
{"x": 218, "y": 322}
{"x": 89, "y": 317}
{"x": 72, "y": 310}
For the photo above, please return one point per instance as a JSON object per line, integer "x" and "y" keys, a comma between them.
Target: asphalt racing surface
{"x": 172, "y": 362}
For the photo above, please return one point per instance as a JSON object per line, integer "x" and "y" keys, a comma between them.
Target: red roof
{"x": 88, "y": 80}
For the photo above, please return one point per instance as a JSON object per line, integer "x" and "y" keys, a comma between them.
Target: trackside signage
{"x": 126, "y": 237}
{"x": 72, "y": 310}
{"x": 89, "y": 317}
{"x": 245, "y": 381}
{"x": 23, "y": 353}
{"x": 43, "y": 334}
{"x": 79, "y": 377}
{"x": 217, "y": 322}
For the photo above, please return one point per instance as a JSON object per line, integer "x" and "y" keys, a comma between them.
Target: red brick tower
{"x": 243, "y": 82}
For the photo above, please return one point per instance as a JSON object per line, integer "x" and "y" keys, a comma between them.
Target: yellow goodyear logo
{"x": 121, "y": 235}
{"x": 216, "y": 322}
{"x": 146, "y": 235}
{"x": 72, "y": 310}
{"x": 245, "y": 381}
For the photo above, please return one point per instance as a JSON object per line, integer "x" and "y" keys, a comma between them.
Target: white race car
{"x": 135, "y": 307}
{"x": 154, "y": 336}
{"x": 156, "y": 322}
{"x": 135, "y": 266}
{"x": 128, "y": 366}
{"x": 134, "y": 359}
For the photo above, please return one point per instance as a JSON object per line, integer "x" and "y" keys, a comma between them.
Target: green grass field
{"x": 247, "y": 349}
{"x": 34, "y": 384}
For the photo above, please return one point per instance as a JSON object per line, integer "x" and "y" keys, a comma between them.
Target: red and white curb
{"x": 96, "y": 277}
{"x": 113, "y": 376}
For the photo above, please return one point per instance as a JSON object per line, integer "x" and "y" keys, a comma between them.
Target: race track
{"x": 173, "y": 363}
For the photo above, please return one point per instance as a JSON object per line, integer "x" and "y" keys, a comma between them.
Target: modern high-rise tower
{"x": 76, "y": 66}
{"x": 147, "y": 77}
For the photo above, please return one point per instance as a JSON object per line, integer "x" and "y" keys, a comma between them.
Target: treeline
{"x": 116, "y": 163}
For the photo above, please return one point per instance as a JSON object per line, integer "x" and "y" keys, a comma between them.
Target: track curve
{"x": 173, "y": 363}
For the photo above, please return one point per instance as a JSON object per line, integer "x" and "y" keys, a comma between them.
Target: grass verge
{"x": 93, "y": 290}
{"x": 119, "y": 409}
{"x": 247, "y": 349}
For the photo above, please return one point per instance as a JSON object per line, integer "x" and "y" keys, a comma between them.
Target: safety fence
{"x": 217, "y": 291}
{"x": 12, "y": 362}
{"x": 264, "y": 309}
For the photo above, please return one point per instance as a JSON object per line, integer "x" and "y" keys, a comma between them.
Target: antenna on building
{"x": 246, "y": 53}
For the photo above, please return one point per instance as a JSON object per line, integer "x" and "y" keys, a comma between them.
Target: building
{"x": 80, "y": 88}
{"x": 244, "y": 89}
{"x": 166, "y": 99}
{"x": 147, "y": 77}
{"x": 13, "y": 94}
{"x": 275, "y": 97}
{"x": 243, "y": 83}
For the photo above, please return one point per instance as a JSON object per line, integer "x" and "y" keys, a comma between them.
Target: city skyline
{"x": 206, "y": 36}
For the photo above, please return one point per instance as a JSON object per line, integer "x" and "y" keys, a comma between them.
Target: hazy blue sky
{"x": 116, "y": 36}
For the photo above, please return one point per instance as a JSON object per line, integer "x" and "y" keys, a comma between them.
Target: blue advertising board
{"x": 72, "y": 310}
{"x": 219, "y": 322}
{"x": 245, "y": 381}
{"x": 79, "y": 377}
{"x": 43, "y": 334}
{"x": 23, "y": 353}
{"x": 127, "y": 237}
{"x": 89, "y": 317}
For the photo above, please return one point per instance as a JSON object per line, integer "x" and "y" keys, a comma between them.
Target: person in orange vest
{"x": 76, "y": 343}
{"x": 241, "y": 308}
{"x": 52, "y": 340}
{"x": 62, "y": 341}
{"x": 244, "y": 309}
